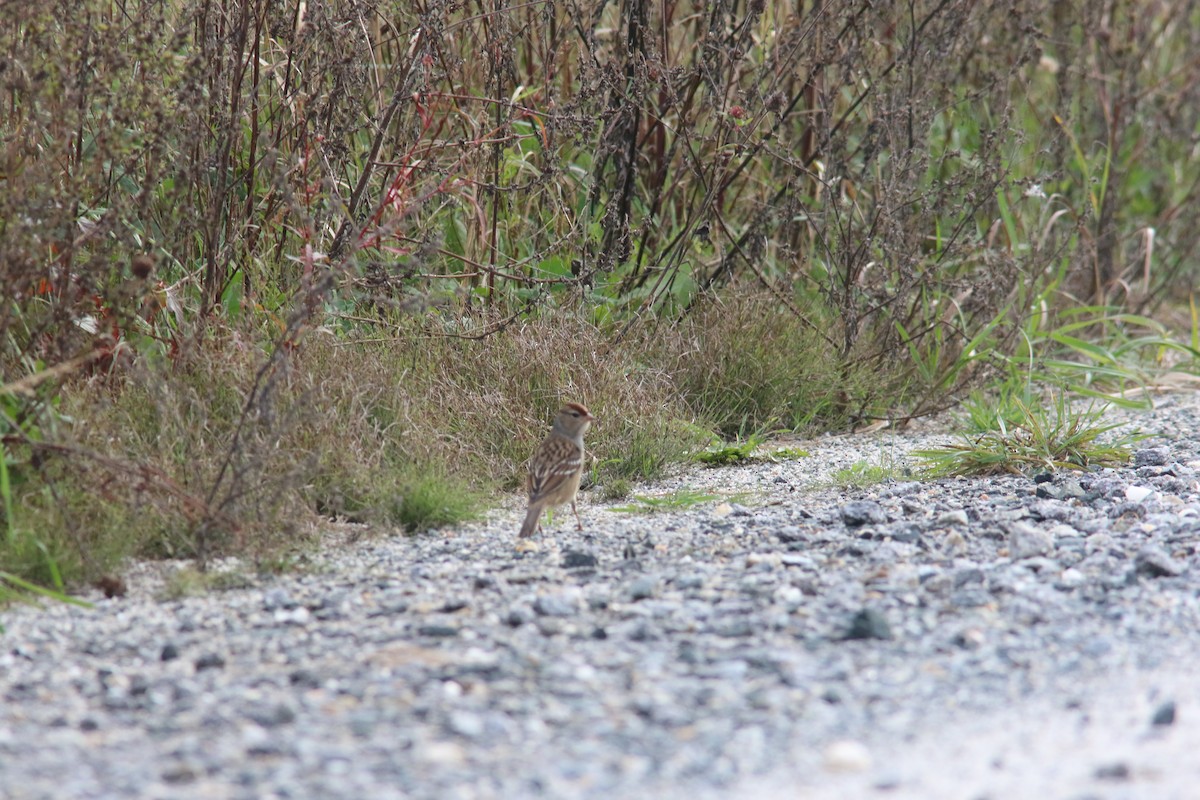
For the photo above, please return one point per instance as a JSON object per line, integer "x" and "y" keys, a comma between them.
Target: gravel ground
{"x": 984, "y": 638}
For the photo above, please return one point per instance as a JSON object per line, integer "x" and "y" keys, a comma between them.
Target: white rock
{"x": 847, "y": 755}
{"x": 1136, "y": 494}
{"x": 1072, "y": 578}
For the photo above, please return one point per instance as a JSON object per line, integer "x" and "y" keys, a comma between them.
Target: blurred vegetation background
{"x": 268, "y": 261}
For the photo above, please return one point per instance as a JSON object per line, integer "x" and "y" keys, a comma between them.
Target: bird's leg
{"x": 578, "y": 521}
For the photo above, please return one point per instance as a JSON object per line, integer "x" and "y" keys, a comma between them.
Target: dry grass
{"x": 241, "y": 248}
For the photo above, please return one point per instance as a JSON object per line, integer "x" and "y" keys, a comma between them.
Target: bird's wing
{"x": 556, "y": 461}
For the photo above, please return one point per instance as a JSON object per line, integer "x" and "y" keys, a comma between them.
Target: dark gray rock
{"x": 643, "y": 588}
{"x": 863, "y": 512}
{"x": 209, "y": 661}
{"x": 272, "y": 715}
{"x": 437, "y": 631}
{"x": 1154, "y": 562}
{"x": 1151, "y": 456}
{"x": 868, "y": 623}
{"x": 579, "y": 559}
{"x": 1164, "y": 715}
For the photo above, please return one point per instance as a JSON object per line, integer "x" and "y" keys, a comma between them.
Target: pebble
{"x": 863, "y": 512}
{"x": 1154, "y": 562}
{"x": 674, "y": 655}
{"x": 1151, "y": 456}
{"x": 1027, "y": 541}
{"x": 868, "y": 623}
{"x": 956, "y": 517}
{"x": 1138, "y": 494}
{"x": 1164, "y": 715}
{"x": 847, "y": 756}
{"x": 558, "y": 604}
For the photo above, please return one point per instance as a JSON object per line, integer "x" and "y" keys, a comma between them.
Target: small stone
{"x": 518, "y": 617}
{"x": 970, "y": 598}
{"x": 455, "y": 604}
{"x": 955, "y": 543}
{"x": 559, "y": 604}
{"x": 1027, "y": 541}
{"x": 954, "y": 518}
{"x": 847, "y": 755}
{"x": 579, "y": 559}
{"x": 276, "y": 599}
{"x": 1043, "y": 477}
{"x": 1055, "y": 510}
{"x": 466, "y": 724}
{"x": 1073, "y": 489}
{"x": 272, "y": 716}
{"x": 1138, "y": 494}
{"x": 969, "y": 639}
{"x": 764, "y": 559}
{"x": 792, "y": 533}
{"x": 1071, "y": 578}
{"x": 550, "y": 626}
{"x": 304, "y": 678}
{"x": 868, "y": 624}
{"x": 437, "y": 631}
{"x": 292, "y": 616}
{"x": 722, "y": 510}
{"x": 968, "y": 575}
{"x": 1154, "y": 562}
{"x": 1151, "y": 457}
{"x": 643, "y": 588}
{"x": 170, "y": 652}
{"x": 1116, "y": 771}
{"x": 209, "y": 661}
{"x": 179, "y": 773}
{"x": 903, "y": 532}
{"x": 1048, "y": 491}
{"x": 863, "y": 512}
{"x": 442, "y": 754}
{"x": 1164, "y": 715}
{"x": 735, "y": 628}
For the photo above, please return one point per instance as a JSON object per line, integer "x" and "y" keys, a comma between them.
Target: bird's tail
{"x": 531, "y": 520}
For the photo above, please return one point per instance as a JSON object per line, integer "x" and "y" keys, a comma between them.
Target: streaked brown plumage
{"x": 557, "y": 466}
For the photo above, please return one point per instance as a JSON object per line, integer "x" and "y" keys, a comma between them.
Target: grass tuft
{"x": 1028, "y": 437}
{"x": 862, "y": 474}
{"x": 675, "y": 501}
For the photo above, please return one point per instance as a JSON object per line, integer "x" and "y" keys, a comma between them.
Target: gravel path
{"x": 990, "y": 638}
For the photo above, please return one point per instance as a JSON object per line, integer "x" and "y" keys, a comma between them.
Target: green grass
{"x": 862, "y": 474}
{"x": 192, "y": 582}
{"x": 21, "y": 549}
{"x": 677, "y": 500}
{"x": 721, "y": 454}
{"x": 431, "y": 501}
{"x": 1028, "y": 436}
